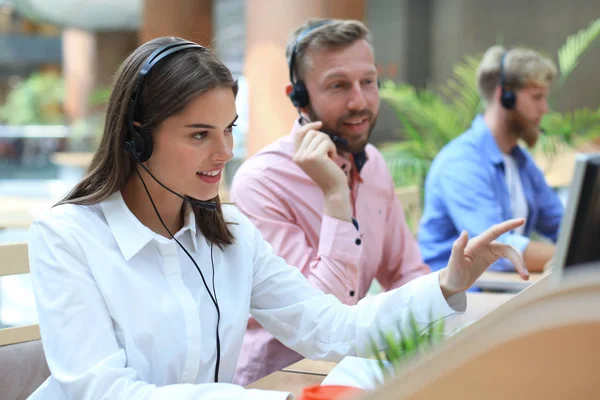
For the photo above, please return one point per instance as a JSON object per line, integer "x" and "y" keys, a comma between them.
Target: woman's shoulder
{"x": 64, "y": 227}
{"x": 68, "y": 216}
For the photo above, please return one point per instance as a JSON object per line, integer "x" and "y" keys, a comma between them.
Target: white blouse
{"x": 124, "y": 314}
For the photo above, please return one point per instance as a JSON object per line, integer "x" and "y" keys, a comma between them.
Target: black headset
{"x": 299, "y": 94}
{"x": 139, "y": 140}
{"x": 138, "y": 145}
{"x": 508, "y": 98}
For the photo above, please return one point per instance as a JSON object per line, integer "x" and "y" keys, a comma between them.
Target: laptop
{"x": 578, "y": 242}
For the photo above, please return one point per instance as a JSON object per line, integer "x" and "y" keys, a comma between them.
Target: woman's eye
{"x": 229, "y": 129}
{"x": 200, "y": 135}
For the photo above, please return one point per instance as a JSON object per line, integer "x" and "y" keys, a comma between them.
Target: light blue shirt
{"x": 466, "y": 189}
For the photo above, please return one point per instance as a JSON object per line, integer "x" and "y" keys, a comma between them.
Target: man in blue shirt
{"x": 484, "y": 177}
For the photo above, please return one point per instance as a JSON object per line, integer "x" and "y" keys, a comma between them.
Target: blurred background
{"x": 57, "y": 58}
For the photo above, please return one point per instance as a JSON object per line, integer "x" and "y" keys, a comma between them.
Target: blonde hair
{"x": 522, "y": 68}
{"x": 332, "y": 33}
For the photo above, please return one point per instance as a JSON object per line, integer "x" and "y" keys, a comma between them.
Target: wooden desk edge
{"x": 306, "y": 366}
{"x": 291, "y": 382}
{"x": 506, "y": 280}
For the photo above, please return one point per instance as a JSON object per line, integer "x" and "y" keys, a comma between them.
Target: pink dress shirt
{"x": 336, "y": 257}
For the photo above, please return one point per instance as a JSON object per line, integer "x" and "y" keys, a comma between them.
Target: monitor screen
{"x": 584, "y": 241}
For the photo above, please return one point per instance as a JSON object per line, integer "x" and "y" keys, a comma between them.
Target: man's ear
{"x": 288, "y": 90}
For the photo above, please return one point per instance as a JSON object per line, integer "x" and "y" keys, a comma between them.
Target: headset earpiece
{"x": 142, "y": 140}
{"x": 508, "y": 98}
{"x": 129, "y": 148}
{"x": 299, "y": 95}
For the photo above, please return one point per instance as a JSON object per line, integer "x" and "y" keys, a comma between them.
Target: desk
{"x": 559, "y": 170}
{"x": 283, "y": 381}
{"x": 478, "y": 305}
{"x": 508, "y": 281}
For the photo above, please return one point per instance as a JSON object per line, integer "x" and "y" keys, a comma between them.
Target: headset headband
{"x": 150, "y": 62}
{"x": 299, "y": 39}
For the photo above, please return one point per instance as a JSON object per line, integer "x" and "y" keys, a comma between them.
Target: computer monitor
{"x": 579, "y": 236}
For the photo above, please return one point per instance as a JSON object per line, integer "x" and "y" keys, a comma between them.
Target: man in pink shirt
{"x": 336, "y": 218}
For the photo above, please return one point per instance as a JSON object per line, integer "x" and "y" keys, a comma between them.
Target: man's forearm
{"x": 537, "y": 254}
{"x": 337, "y": 205}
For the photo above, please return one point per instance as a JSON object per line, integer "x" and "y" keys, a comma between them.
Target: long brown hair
{"x": 167, "y": 89}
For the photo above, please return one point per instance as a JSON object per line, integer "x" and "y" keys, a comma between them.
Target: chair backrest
{"x": 410, "y": 198}
{"x": 23, "y": 365}
{"x": 15, "y": 261}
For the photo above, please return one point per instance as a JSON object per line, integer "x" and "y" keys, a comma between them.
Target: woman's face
{"x": 191, "y": 148}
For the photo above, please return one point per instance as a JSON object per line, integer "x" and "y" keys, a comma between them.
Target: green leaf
{"x": 394, "y": 348}
{"x": 403, "y": 344}
{"x": 414, "y": 329}
{"x": 575, "y": 47}
{"x": 375, "y": 351}
{"x": 461, "y": 88}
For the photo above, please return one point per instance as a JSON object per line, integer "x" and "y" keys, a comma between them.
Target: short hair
{"x": 522, "y": 67}
{"x": 333, "y": 33}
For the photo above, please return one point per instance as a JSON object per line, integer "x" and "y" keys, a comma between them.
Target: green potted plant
{"x": 402, "y": 345}
{"x": 430, "y": 118}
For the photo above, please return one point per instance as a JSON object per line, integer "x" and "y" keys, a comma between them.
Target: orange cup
{"x": 329, "y": 392}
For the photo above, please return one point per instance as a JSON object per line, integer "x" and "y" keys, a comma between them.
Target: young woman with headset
{"x": 144, "y": 281}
